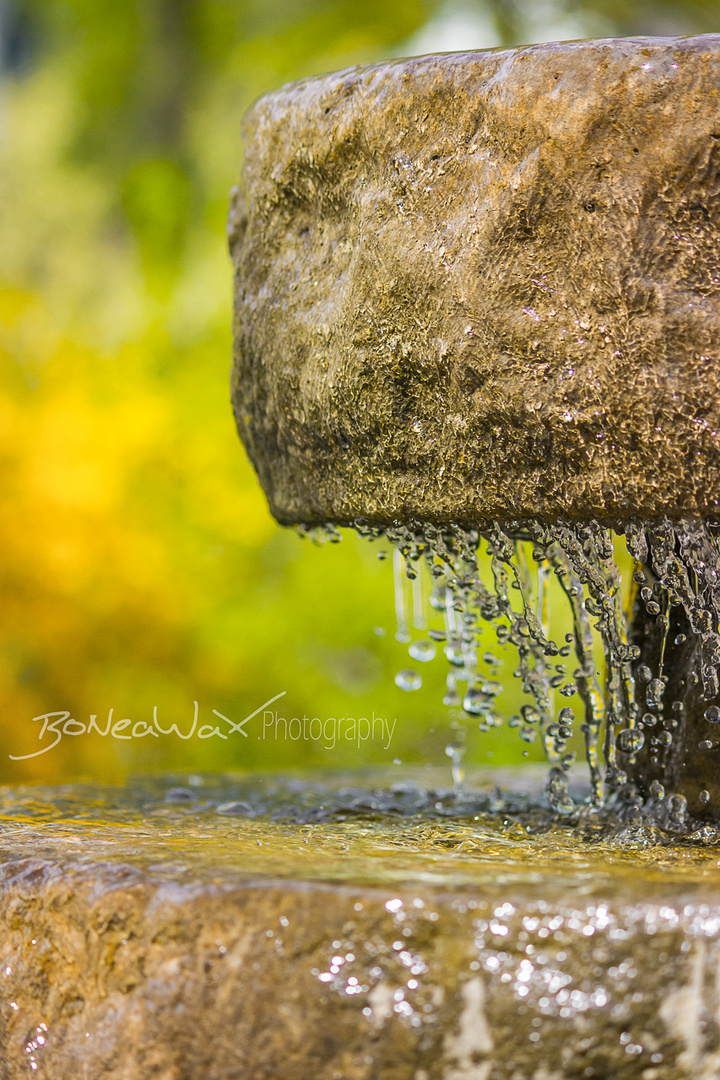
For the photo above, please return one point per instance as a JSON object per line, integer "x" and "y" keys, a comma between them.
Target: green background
{"x": 140, "y": 566}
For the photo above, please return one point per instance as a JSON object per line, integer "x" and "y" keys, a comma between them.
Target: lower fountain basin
{"x": 359, "y": 927}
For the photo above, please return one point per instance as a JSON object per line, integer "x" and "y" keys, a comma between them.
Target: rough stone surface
{"x": 485, "y": 285}
{"x": 123, "y": 956}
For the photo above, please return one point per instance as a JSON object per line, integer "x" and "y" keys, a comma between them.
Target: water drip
{"x": 640, "y": 663}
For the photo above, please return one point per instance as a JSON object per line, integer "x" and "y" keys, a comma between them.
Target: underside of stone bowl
{"x": 485, "y": 285}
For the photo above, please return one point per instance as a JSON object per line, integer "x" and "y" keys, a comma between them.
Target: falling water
{"x": 595, "y": 677}
{"x": 455, "y": 586}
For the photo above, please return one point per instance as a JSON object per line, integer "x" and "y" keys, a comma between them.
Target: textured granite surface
{"x": 484, "y": 285}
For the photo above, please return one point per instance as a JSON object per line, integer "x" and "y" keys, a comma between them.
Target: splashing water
{"x": 608, "y": 675}
{"x": 638, "y": 649}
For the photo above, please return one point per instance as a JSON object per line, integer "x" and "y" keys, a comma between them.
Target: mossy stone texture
{"x": 484, "y": 285}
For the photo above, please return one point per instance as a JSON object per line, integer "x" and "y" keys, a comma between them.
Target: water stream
{"x": 615, "y": 633}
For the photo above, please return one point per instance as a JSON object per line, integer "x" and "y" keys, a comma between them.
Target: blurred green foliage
{"x": 140, "y": 565}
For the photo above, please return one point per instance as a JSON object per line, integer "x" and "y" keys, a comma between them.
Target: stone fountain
{"x": 476, "y": 301}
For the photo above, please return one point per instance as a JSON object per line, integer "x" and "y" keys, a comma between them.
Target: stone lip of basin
{"x": 485, "y": 285}
{"x": 151, "y": 937}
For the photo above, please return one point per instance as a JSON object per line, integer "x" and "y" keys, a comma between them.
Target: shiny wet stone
{"x": 360, "y": 927}
{"x": 483, "y": 285}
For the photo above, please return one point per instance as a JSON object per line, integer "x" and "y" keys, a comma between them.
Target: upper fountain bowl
{"x": 485, "y": 285}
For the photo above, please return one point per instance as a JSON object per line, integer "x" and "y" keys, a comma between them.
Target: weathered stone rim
{"x": 346, "y": 410}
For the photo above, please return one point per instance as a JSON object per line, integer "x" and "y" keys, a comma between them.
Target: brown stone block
{"x": 138, "y": 942}
{"x": 485, "y": 285}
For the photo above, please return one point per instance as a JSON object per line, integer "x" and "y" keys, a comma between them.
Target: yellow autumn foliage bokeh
{"x": 140, "y": 568}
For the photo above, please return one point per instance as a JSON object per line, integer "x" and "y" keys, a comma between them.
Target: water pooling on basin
{"x": 636, "y": 672}
{"x": 375, "y": 827}
{"x": 363, "y": 925}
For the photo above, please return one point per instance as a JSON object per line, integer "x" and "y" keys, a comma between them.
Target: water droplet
{"x": 528, "y": 734}
{"x": 407, "y": 679}
{"x": 455, "y": 655}
{"x": 654, "y": 693}
{"x": 530, "y": 714}
{"x": 704, "y": 796}
{"x": 712, "y": 714}
{"x": 630, "y": 740}
{"x": 423, "y": 651}
{"x": 644, "y": 673}
{"x": 677, "y": 805}
{"x": 456, "y": 752}
{"x": 557, "y": 792}
{"x": 438, "y": 597}
{"x": 657, "y": 790}
{"x": 492, "y": 687}
{"x": 476, "y": 703}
